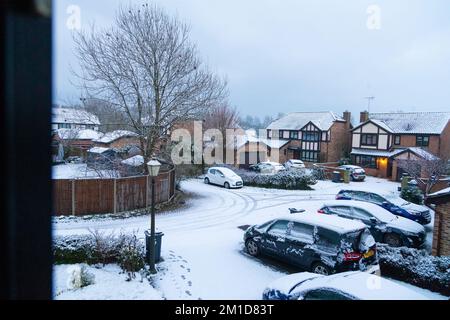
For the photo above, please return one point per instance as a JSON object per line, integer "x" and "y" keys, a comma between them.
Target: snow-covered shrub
{"x": 79, "y": 277}
{"x": 416, "y": 267}
{"x": 292, "y": 180}
{"x": 95, "y": 248}
{"x": 131, "y": 255}
{"x": 412, "y": 194}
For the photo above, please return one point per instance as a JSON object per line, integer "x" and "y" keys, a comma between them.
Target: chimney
{"x": 347, "y": 117}
{"x": 364, "y": 116}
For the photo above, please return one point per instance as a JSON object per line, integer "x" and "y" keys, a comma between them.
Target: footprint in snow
{"x": 190, "y": 283}
{"x": 188, "y": 293}
{"x": 183, "y": 277}
{"x": 181, "y": 266}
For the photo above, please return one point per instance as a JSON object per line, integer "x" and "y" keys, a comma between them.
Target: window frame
{"x": 422, "y": 142}
{"x": 373, "y": 141}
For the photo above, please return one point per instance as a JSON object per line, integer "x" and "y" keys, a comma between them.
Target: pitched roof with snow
{"x": 135, "y": 161}
{"x": 75, "y": 134}
{"x": 412, "y": 122}
{"x": 376, "y": 153}
{"x": 98, "y": 150}
{"x": 115, "y": 135}
{"x": 298, "y": 120}
{"x": 73, "y": 116}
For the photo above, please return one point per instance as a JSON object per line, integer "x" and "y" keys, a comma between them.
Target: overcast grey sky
{"x": 301, "y": 55}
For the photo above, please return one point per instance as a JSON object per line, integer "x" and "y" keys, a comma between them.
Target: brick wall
{"x": 338, "y": 147}
{"x": 410, "y": 141}
{"x": 441, "y": 232}
{"x": 445, "y": 143}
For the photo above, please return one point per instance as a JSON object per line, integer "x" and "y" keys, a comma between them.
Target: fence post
{"x": 73, "y": 197}
{"x": 115, "y": 196}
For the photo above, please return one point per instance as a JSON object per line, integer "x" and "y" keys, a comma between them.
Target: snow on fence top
{"x": 337, "y": 224}
{"x": 298, "y": 120}
{"x": 115, "y": 135}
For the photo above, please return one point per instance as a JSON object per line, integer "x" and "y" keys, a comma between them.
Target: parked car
{"x": 356, "y": 173}
{"x": 294, "y": 164}
{"x": 268, "y": 167}
{"x": 314, "y": 242}
{"x": 353, "y": 285}
{"x": 396, "y": 205}
{"x": 223, "y": 177}
{"x": 385, "y": 227}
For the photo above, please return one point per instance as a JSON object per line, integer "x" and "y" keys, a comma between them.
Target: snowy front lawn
{"x": 109, "y": 284}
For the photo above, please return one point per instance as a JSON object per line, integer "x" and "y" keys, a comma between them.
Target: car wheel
{"x": 252, "y": 247}
{"x": 227, "y": 185}
{"x": 206, "y": 180}
{"x": 320, "y": 268}
{"x": 393, "y": 240}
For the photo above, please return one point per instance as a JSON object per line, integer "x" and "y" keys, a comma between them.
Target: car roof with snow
{"x": 379, "y": 212}
{"x": 224, "y": 170}
{"x": 334, "y": 223}
{"x": 361, "y": 285}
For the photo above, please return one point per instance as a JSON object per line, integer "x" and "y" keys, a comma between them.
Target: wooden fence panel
{"x": 94, "y": 196}
{"x": 130, "y": 193}
{"x": 97, "y": 196}
{"x": 62, "y": 197}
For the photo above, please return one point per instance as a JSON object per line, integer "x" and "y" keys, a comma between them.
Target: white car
{"x": 223, "y": 177}
{"x": 271, "y": 167}
{"x": 353, "y": 285}
{"x": 294, "y": 164}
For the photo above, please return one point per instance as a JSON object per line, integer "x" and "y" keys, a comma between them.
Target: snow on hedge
{"x": 291, "y": 180}
{"x": 416, "y": 267}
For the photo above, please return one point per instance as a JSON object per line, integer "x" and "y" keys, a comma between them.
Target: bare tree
{"x": 111, "y": 116}
{"x": 146, "y": 66}
{"x": 426, "y": 171}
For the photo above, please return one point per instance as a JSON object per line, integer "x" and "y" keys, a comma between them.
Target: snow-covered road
{"x": 202, "y": 243}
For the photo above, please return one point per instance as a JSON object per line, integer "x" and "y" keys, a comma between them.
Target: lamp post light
{"x": 153, "y": 171}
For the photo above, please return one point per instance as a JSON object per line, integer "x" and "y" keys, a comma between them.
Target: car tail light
{"x": 352, "y": 256}
{"x": 321, "y": 211}
{"x": 338, "y": 197}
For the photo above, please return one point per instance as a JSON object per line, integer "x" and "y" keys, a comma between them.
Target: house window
{"x": 369, "y": 140}
{"x": 310, "y": 156}
{"x": 281, "y": 134}
{"x": 422, "y": 141}
{"x": 397, "y": 140}
{"x": 293, "y": 135}
{"x": 311, "y": 136}
{"x": 64, "y": 126}
{"x": 366, "y": 161}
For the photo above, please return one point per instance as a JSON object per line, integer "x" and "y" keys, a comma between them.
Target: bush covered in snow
{"x": 416, "y": 267}
{"x": 97, "y": 248}
{"x": 79, "y": 277}
{"x": 291, "y": 180}
{"x": 412, "y": 194}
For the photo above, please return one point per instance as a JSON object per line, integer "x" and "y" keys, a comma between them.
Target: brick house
{"x": 118, "y": 139}
{"x": 251, "y": 150}
{"x": 314, "y": 137}
{"x": 382, "y": 138}
{"x": 74, "y": 142}
{"x": 441, "y": 233}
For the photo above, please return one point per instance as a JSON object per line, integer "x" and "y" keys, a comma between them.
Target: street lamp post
{"x": 153, "y": 171}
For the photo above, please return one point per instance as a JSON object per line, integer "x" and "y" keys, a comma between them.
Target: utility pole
{"x": 369, "y": 100}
